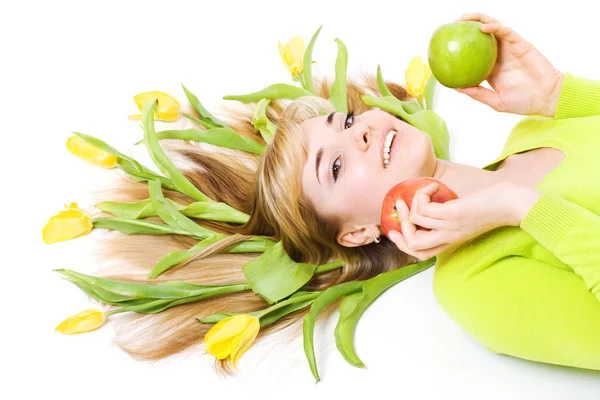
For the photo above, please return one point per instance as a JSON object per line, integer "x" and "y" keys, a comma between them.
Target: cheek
{"x": 360, "y": 191}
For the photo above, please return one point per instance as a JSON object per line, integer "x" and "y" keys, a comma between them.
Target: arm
{"x": 527, "y": 308}
{"x": 569, "y": 231}
{"x": 524, "y": 308}
{"x": 578, "y": 97}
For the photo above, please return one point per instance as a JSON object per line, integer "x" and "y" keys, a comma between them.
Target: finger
{"x": 485, "y": 96}
{"x": 400, "y": 242}
{"x": 486, "y": 19}
{"x": 426, "y": 255}
{"x": 427, "y": 240}
{"x": 502, "y": 32}
{"x": 408, "y": 228}
{"x": 398, "y": 239}
{"x": 422, "y": 197}
{"x": 426, "y": 222}
{"x": 418, "y": 239}
{"x": 443, "y": 211}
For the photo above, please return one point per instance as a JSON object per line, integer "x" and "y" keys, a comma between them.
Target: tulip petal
{"x": 85, "y": 321}
{"x": 416, "y": 76}
{"x": 168, "y": 106}
{"x": 135, "y": 117}
{"x": 86, "y": 151}
{"x": 243, "y": 342}
{"x": 292, "y": 54}
{"x": 66, "y": 225}
{"x": 283, "y": 58}
{"x": 221, "y": 338}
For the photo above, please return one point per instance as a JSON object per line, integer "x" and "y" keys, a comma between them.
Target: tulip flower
{"x": 417, "y": 74}
{"x": 292, "y": 54}
{"x": 167, "y": 110}
{"x": 85, "y": 321}
{"x": 88, "y": 152}
{"x": 232, "y": 336}
{"x": 67, "y": 224}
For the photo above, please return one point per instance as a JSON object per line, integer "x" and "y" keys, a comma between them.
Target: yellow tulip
{"x": 168, "y": 106}
{"x": 83, "y": 149}
{"x": 232, "y": 336}
{"x": 85, "y": 321}
{"x": 417, "y": 74}
{"x": 292, "y": 54}
{"x": 67, "y": 224}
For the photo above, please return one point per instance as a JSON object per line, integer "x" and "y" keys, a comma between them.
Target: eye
{"x": 349, "y": 120}
{"x": 335, "y": 168}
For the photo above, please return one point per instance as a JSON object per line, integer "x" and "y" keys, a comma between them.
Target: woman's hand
{"x": 453, "y": 222}
{"x": 523, "y": 80}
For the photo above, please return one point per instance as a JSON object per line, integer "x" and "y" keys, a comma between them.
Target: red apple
{"x": 405, "y": 190}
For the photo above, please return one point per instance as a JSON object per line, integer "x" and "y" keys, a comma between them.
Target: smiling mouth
{"x": 387, "y": 146}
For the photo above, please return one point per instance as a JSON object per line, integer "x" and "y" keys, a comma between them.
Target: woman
{"x": 518, "y": 266}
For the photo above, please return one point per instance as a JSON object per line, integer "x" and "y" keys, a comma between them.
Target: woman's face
{"x": 345, "y": 174}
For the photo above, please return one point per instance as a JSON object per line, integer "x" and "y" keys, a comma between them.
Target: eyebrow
{"x": 330, "y": 118}
{"x": 320, "y": 152}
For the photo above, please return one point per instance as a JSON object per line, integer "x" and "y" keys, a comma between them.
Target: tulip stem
{"x": 329, "y": 267}
{"x": 309, "y": 296}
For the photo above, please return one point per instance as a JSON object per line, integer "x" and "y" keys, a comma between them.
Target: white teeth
{"x": 386, "y": 149}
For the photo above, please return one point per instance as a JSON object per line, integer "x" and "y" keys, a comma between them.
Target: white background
{"x": 76, "y": 66}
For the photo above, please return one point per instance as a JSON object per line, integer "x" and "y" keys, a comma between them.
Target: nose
{"x": 362, "y": 135}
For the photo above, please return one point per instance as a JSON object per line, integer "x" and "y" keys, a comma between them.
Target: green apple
{"x": 461, "y": 55}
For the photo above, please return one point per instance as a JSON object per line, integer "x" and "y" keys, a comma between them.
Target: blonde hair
{"x": 267, "y": 188}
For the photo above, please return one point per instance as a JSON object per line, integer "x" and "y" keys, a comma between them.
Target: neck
{"x": 465, "y": 179}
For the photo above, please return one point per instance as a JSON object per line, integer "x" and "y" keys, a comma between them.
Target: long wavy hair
{"x": 268, "y": 188}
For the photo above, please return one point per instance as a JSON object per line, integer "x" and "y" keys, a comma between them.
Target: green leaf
{"x": 196, "y": 120}
{"x": 345, "y": 308}
{"x": 200, "y": 209}
{"x": 253, "y": 245}
{"x": 171, "y": 216}
{"x": 296, "y": 302}
{"x": 134, "y": 226}
{"x": 261, "y": 123}
{"x": 161, "y": 160}
{"x": 157, "y": 306}
{"x": 136, "y": 210}
{"x": 205, "y": 116}
{"x": 308, "y": 327}
{"x": 429, "y": 92}
{"x": 352, "y": 307}
{"x": 274, "y": 275}
{"x": 175, "y": 258}
{"x": 383, "y": 89}
{"x": 412, "y": 106}
{"x": 338, "y": 96}
{"x": 307, "y": 62}
{"x": 223, "y": 137}
{"x": 134, "y": 290}
{"x": 275, "y": 91}
{"x": 146, "y": 298}
{"x": 127, "y": 164}
{"x": 425, "y": 120}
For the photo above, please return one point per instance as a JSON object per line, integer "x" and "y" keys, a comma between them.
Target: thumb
{"x": 484, "y": 95}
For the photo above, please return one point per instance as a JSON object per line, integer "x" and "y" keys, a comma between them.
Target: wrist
{"x": 518, "y": 201}
{"x": 556, "y": 83}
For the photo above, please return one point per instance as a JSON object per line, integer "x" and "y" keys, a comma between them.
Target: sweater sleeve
{"x": 579, "y": 97}
{"x": 571, "y": 233}
{"x": 527, "y": 308}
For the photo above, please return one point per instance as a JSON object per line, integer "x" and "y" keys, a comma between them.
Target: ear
{"x": 357, "y": 235}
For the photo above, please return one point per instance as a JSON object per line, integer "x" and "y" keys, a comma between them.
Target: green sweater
{"x": 533, "y": 291}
